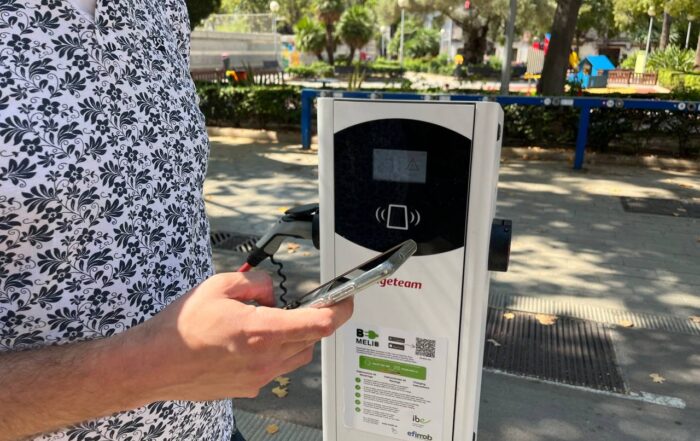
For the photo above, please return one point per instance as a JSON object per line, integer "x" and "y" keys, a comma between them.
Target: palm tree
{"x": 329, "y": 12}
{"x": 310, "y": 36}
{"x": 355, "y": 28}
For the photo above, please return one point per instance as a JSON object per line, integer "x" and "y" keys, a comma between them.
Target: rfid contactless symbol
{"x": 397, "y": 216}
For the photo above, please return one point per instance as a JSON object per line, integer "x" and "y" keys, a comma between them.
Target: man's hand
{"x": 209, "y": 344}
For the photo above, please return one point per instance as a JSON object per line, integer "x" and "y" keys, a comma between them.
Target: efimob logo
{"x": 417, "y": 435}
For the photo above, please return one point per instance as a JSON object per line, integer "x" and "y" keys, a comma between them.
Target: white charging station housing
{"x": 408, "y": 364}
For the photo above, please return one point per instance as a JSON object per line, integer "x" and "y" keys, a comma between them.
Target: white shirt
{"x": 103, "y": 153}
{"x": 87, "y": 6}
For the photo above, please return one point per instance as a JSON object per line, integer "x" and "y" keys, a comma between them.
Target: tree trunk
{"x": 330, "y": 43}
{"x": 352, "y": 55}
{"x": 474, "y": 36}
{"x": 665, "y": 31}
{"x": 557, "y": 59}
{"x": 697, "y": 54}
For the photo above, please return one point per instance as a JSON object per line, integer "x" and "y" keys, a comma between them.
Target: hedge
{"x": 254, "y": 107}
{"x": 627, "y": 131}
{"x": 673, "y": 80}
{"x": 611, "y": 130}
{"x": 318, "y": 69}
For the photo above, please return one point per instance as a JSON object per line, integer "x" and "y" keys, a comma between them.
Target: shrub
{"x": 257, "y": 106}
{"x": 317, "y": 69}
{"x": 631, "y": 61}
{"x": 672, "y": 58}
{"x": 495, "y": 62}
{"x": 686, "y": 82}
{"x": 418, "y": 41}
{"x": 390, "y": 68}
{"x": 439, "y": 65}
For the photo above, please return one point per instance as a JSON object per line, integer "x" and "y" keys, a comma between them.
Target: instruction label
{"x": 394, "y": 383}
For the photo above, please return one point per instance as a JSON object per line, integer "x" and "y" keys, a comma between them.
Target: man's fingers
{"x": 296, "y": 361}
{"x": 250, "y": 286}
{"x": 290, "y": 349}
{"x": 304, "y": 324}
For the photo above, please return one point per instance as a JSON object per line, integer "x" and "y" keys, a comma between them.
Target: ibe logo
{"x": 367, "y": 338}
{"x": 417, "y": 419}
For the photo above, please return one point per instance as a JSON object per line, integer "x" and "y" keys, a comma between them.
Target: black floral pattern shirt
{"x": 103, "y": 155}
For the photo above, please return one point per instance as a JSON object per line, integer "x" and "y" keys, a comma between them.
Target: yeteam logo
{"x": 367, "y": 338}
{"x": 400, "y": 283}
{"x": 417, "y": 435}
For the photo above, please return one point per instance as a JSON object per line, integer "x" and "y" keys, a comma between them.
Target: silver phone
{"x": 364, "y": 275}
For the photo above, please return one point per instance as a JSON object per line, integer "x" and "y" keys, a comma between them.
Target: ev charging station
{"x": 408, "y": 364}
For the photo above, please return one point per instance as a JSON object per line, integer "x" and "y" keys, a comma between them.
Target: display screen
{"x": 400, "y": 165}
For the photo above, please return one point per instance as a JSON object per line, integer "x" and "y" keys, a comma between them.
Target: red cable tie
{"x": 244, "y": 268}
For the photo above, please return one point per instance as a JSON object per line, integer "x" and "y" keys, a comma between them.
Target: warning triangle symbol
{"x": 412, "y": 166}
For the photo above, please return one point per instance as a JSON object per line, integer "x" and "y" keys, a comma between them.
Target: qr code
{"x": 425, "y": 347}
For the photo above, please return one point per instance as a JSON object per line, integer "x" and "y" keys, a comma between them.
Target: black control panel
{"x": 399, "y": 179}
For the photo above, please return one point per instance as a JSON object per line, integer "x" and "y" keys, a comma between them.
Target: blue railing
{"x": 585, "y": 104}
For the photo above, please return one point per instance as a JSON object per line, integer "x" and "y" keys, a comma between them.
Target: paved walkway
{"x": 574, "y": 247}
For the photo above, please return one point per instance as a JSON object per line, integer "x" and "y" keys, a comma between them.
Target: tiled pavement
{"x": 573, "y": 245}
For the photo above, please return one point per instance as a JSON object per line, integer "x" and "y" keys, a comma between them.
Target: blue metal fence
{"x": 585, "y": 104}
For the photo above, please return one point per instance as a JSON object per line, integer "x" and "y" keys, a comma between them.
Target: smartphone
{"x": 350, "y": 283}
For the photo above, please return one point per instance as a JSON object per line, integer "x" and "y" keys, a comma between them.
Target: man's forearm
{"x": 49, "y": 388}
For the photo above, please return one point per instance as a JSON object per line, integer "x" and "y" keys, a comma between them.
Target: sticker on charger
{"x": 394, "y": 382}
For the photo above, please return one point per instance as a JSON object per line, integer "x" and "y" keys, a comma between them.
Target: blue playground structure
{"x": 593, "y": 71}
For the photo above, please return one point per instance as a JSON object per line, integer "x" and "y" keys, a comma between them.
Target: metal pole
{"x": 307, "y": 103}
{"x": 646, "y": 53}
{"x": 449, "y": 40}
{"x": 582, "y": 137}
{"x": 508, "y": 59}
{"x": 401, "y": 45}
{"x": 687, "y": 36}
{"x": 274, "y": 29}
{"x": 381, "y": 50}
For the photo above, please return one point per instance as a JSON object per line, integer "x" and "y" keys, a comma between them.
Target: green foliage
{"x": 681, "y": 83}
{"x": 390, "y": 68}
{"x": 418, "y": 41}
{"x": 318, "y": 69}
{"x": 672, "y": 58}
{"x": 198, "y": 10}
{"x": 598, "y": 15}
{"x": 256, "y": 106}
{"x": 358, "y": 76}
{"x": 356, "y": 27}
{"x": 310, "y": 36}
{"x": 495, "y": 62}
{"x": 627, "y": 131}
{"x": 244, "y": 6}
{"x": 631, "y": 61}
{"x": 438, "y": 65}
{"x": 329, "y": 11}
